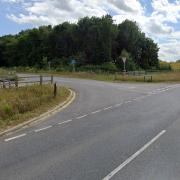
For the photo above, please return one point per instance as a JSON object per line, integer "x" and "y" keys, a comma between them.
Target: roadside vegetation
{"x": 93, "y": 47}
{"x": 91, "y": 42}
{"x": 21, "y": 104}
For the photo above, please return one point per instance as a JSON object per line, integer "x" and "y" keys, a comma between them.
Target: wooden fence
{"x": 7, "y": 82}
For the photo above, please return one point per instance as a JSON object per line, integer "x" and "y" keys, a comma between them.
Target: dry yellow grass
{"x": 17, "y": 105}
{"x": 175, "y": 66}
{"x": 157, "y": 77}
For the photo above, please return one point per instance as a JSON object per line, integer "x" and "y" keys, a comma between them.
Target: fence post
{"x": 9, "y": 84}
{"x": 16, "y": 83}
{"x": 52, "y": 79}
{"x": 41, "y": 79}
{"x": 55, "y": 89}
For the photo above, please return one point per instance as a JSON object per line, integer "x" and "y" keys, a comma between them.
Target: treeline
{"x": 91, "y": 42}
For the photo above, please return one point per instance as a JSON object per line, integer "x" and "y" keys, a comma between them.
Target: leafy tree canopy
{"x": 92, "y": 41}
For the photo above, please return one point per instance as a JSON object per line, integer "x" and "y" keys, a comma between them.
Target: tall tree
{"x": 92, "y": 41}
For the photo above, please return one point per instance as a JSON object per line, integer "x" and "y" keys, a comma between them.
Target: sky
{"x": 159, "y": 19}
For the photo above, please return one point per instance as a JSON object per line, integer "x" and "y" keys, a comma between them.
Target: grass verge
{"x": 157, "y": 76}
{"x": 22, "y": 104}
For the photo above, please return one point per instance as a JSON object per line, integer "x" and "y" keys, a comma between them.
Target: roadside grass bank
{"x": 7, "y": 74}
{"x": 21, "y": 104}
{"x": 111, "y": 77}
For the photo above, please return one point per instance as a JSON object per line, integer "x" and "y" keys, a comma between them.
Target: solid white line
{"x": 42, "y": 129}
{"x": 108, "y": 108}
{"x": 80, "y": 117}
{"x": 131, "y": 158}
{"x": 94, "y": 112}
{"x": 64, "y": 122}
{"x": 15, "y": 137}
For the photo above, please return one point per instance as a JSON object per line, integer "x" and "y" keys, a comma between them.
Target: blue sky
{"x": 159, "y": 19}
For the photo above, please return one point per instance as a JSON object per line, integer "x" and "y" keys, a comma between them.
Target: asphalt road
{"x": 111, "y": 131}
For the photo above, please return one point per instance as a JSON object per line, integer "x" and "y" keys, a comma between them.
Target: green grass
{"x": 18, "y": 105}
{"x": 168, "y": 76}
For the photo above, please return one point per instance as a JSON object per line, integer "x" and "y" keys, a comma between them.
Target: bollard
{"x": 41, "y": 79}
{"x": 55, "y": 89}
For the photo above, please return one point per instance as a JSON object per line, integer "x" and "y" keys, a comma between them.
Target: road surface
{"x": 111, "y": 131}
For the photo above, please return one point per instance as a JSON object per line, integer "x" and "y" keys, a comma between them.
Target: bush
{"x": 109, "y": 66}
{"x": 6, "y": 110}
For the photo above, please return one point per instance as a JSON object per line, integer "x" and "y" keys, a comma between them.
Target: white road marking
{"x": 127, "y": 102}
{"x": 131, "y": 158}
{"x": 64, "y": 122}
{"x": 15, "y": 137}
{"x": 110, "y": 107}
{"x": 80, "y": 117}
{"x": 42, "y": 129}
{"x": 117, "y": 105}
{"x": 94, "y": 112}
{"x": 160, "y": 90}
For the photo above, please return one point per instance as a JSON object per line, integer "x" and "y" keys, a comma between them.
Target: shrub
{"x": 109, "y": 66}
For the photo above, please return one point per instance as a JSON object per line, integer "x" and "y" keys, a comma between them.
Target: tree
{"x": 95, "y": 38}
{"x": 92, "y": 41}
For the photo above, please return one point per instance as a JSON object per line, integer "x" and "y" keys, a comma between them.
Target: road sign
{"x": 124, "y": 59}
{"x": 73, "y": 61}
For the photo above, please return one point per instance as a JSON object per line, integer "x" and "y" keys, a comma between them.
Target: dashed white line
{"x": 126, "y": 102}
{"x": 15, "y": 137}
{"x": 80, "y": 117}
{"x": 110, "y": 107}
{"x": 131, "y": 158}
{"x": 42, "y": 129}
{"x": 94, "y": 112}
{"x": 64, "y": 122}
{"x": 117, "y": 105}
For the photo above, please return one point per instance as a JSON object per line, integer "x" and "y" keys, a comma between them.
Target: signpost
{"x": 49, "y": 65}
{"x": 73, "y": 62}
{"x": 124, "y": 61}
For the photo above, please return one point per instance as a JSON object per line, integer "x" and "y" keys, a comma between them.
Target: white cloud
{"x": 170, "y": 11}
{"x": 13, "y": 1}
{"x": 55, "y": 11}
{"x": 170, "y": 51}
{"x": 157, "y": 25}
{"x": 132, "y": 6}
